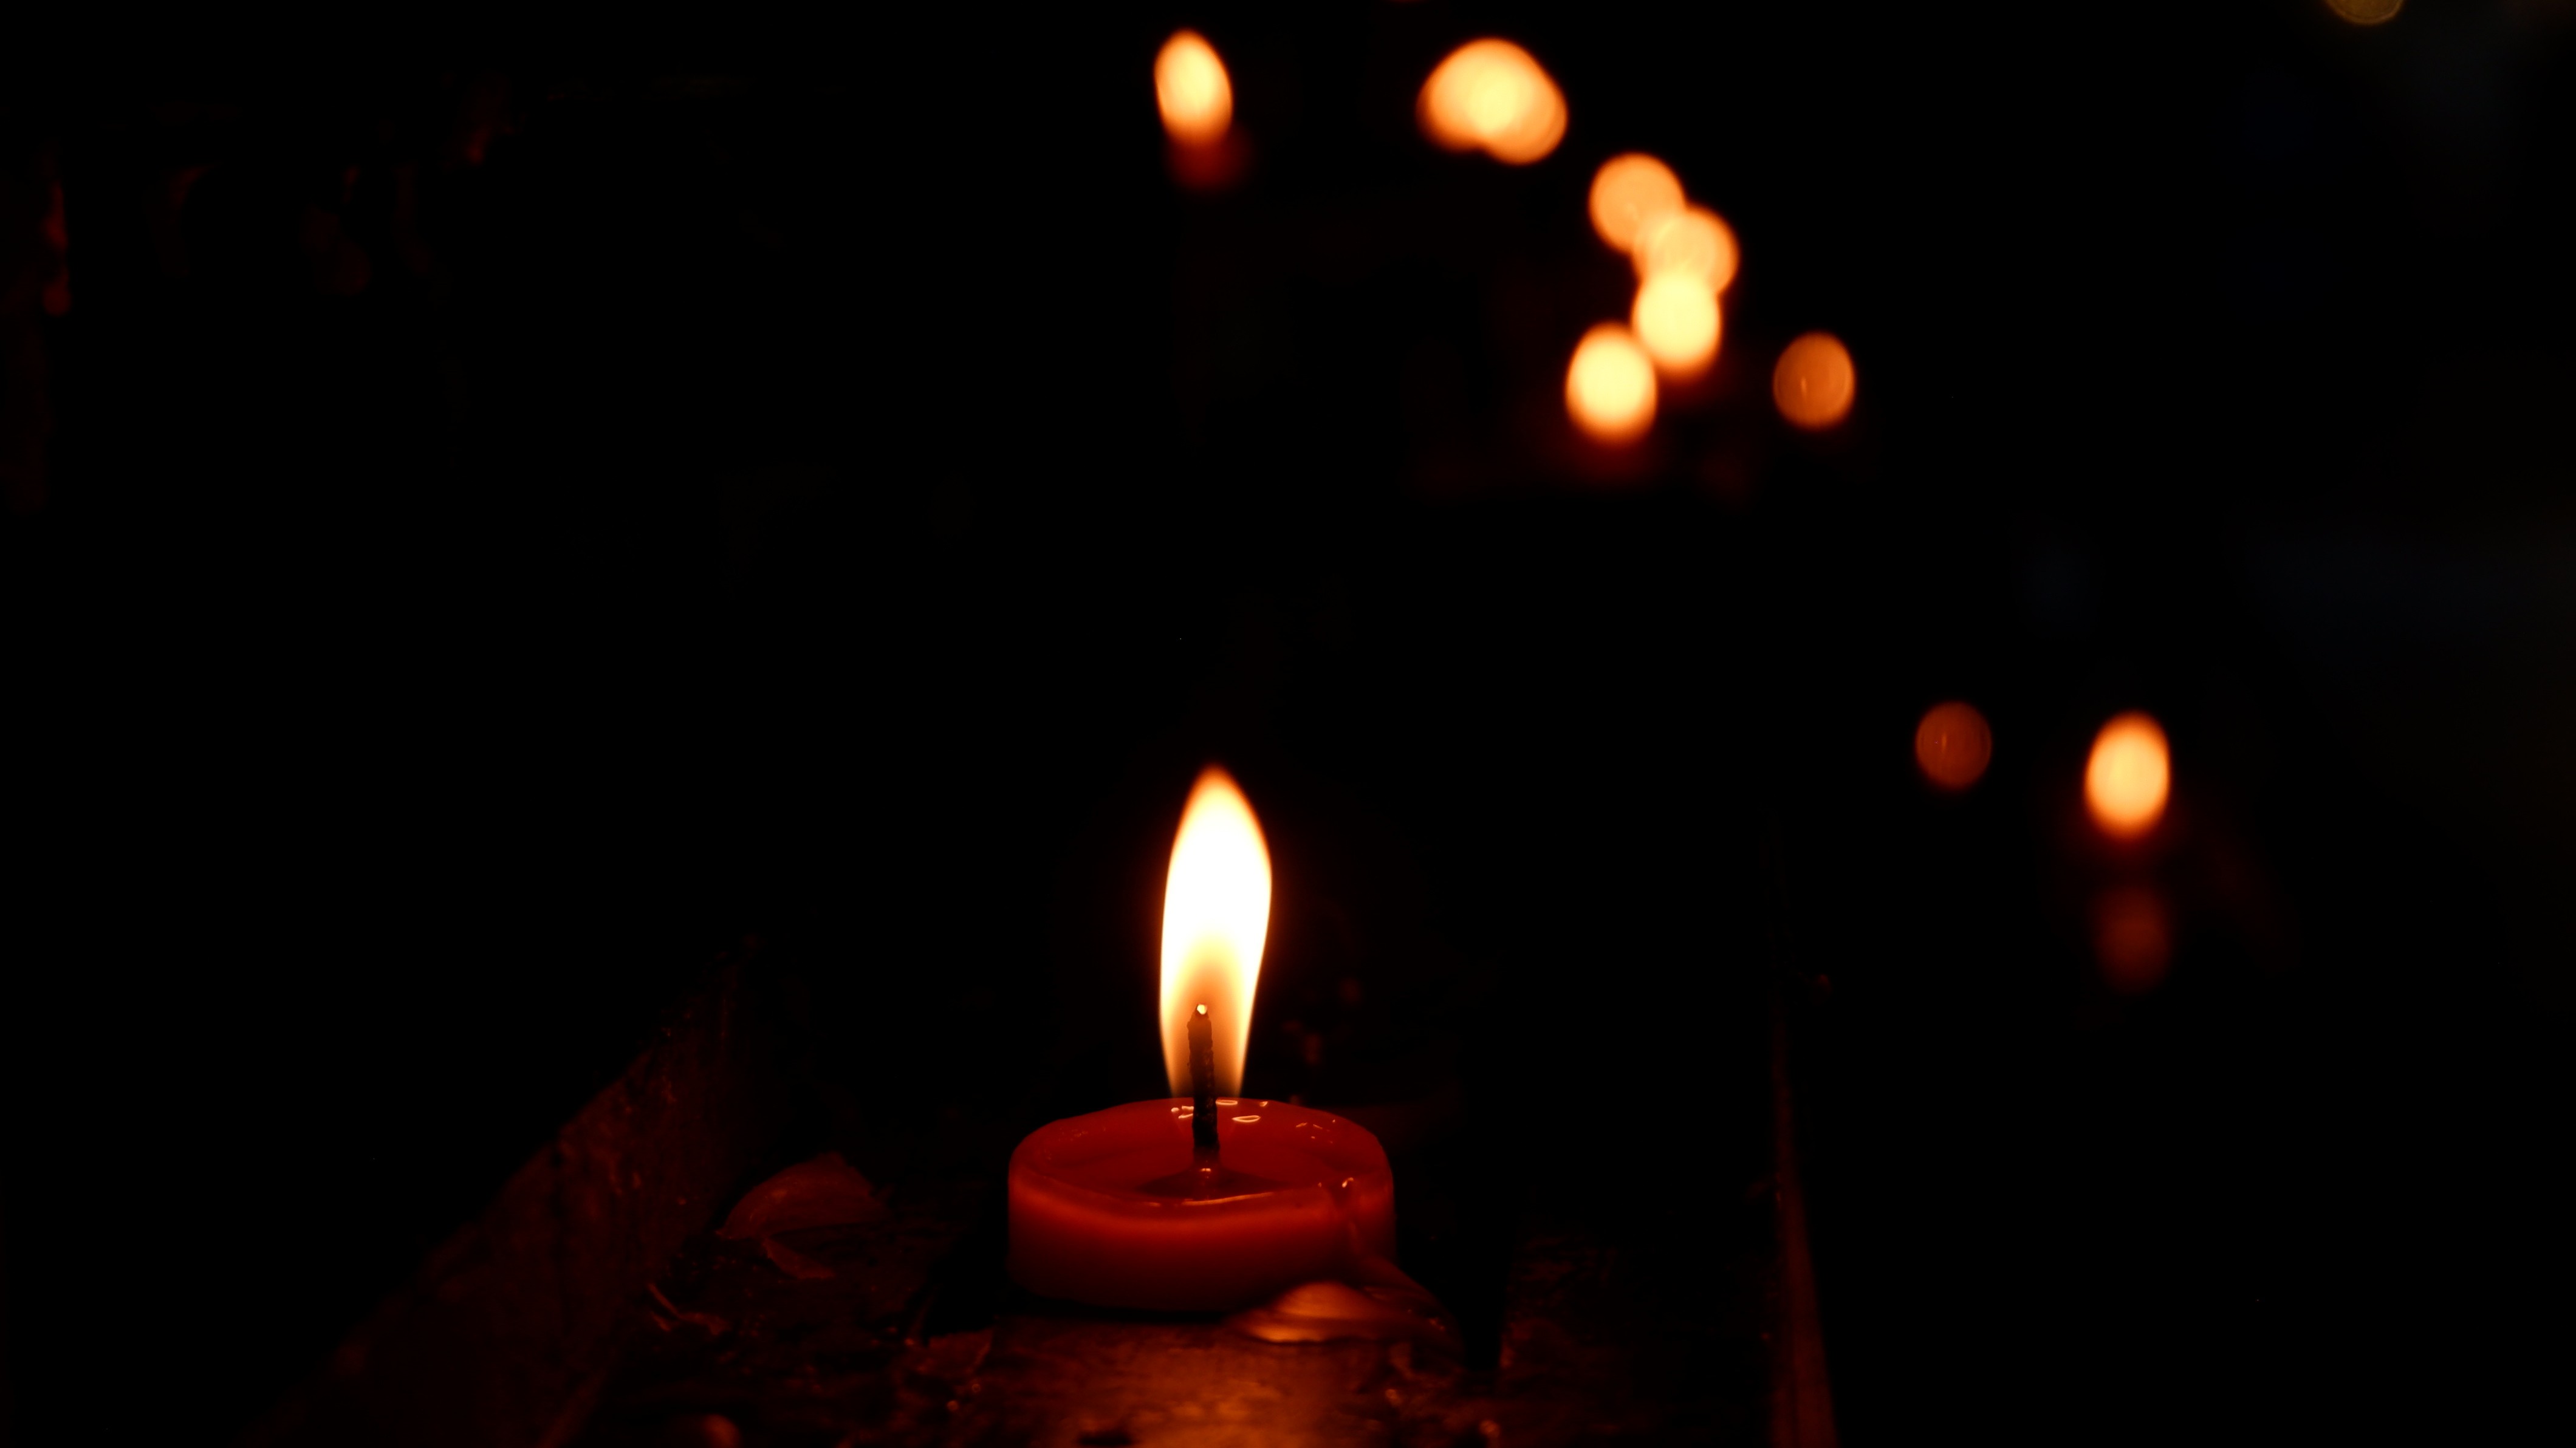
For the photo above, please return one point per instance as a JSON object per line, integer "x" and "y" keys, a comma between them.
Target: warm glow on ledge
{"x": 1677, "y": 323}
{"x": 1690, "y": 240}
{"x": 1610, "y": 386}
{"x": 2367, "y": 12}
{"x": 1952, "y": 745}
{"x": 2128, "y": 777}
{"x": 1815, "y": 381}
{"x": 1216, "y": 915}
{"x": 1490, "y": 94}
{"x": 1191, "y": 87}
{"x": 1630, "y": 193}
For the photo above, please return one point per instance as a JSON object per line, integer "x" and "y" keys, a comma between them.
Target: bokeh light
{"x": 2367, "y": 12}
{"x": 2132, "y": 938}
{"x": 1814, "y": 382}
{"x": 2128, "y": 776}
{"x": 1691, "y": 240}
{"x": 1677, "y": 322}
{"x": 1610, "y": 386}
{"x": 1952, "y": 744}
{"x": 1191, "y": 87}
{"x": 1629, "y": 193}
{"x": 1490, "y": 94}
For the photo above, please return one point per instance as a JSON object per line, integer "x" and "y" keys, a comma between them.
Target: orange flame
{"x": 1190, "y": 85}
{"x": 1610, "y": 385}
{"x": 1952, "y": 744}
{"x": 1491, "y": 94}
{"x": 1216, "y": 915}
{"x": 2128, "y": 777}
{"x": 1814, "y": 382}
{"x": 1631, "y": 192}
{"x": 1689, "y": 239}
{"x": 1676, "y": 320}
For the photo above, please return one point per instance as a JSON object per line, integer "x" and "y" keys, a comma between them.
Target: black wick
{"x": 1202, "y": 1088}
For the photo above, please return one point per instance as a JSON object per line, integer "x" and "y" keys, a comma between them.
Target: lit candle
{"x": 1208, "y": 1201}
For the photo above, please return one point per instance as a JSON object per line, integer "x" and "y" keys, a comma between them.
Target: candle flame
{"x": 1190, "y": 85}
{"x": 2128, "y": 776}
{"x": 1610, "y": 386}
{"x": 1814, "y": 382}
{"x": 1490, "y": 94}
{"x": 1630, "y": 193}
{"x": 1216, "y": 915}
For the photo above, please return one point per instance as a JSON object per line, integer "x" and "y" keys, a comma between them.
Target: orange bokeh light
{"x": 1692, "y": 240}
{"x": 1630, "y": 192}
{"x": 1677, "y": 322}
{"x": 1953, "y": 744}
{"x": 2367, "y": 12}
{"x": 1610, "y": 386}
{"x": 2128, "y": 776}
{"x": 1814, "y": 382}
{"x": 2132, "y": 938}
{"x": 1490, "y": 95}
{"x": 1190, "y": 85}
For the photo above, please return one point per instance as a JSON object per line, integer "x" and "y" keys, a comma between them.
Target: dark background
{"x": 836, "y": 486}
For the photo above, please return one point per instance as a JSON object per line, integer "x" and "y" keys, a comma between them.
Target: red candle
{"x": 1094, "y": 1217}
{"x": 1210, "y": 1201}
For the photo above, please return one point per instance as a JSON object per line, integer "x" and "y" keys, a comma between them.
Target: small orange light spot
{"x": 1953, "y": 744}
{"x": 1610, "y": 387}
{"x": 1190, "y": 85}
{"x": 2132, "y": 938}
{"x": 1630, "y": 191}
{"x": 2128, "y": 776}
{"x": 1490, "y": 94}
{"x": 1814, "y": 382}
{"x": 1677, "y": 322}
{"x": 2367, "y": 12}
{"x": 1691, "y": 240}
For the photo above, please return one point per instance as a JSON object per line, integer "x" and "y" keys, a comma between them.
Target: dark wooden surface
{"x": 1591, "y": 1350}
{"x": 510, "y": 1326}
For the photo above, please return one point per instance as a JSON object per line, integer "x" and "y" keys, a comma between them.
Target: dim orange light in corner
{"x": 1190, "y": 85}
{"x": 1610, "y": 386}
{"x": 1490, "y": 95}
{"x": 1678, "y": 324}
{"x": 1692, "y": 241}
{"x": 2132, "y": 938}
{"x": 2128, "y": 776}
{"x": 1814, "y": 382}
{"x": 1216, "y": 918}
{"x": 1631, "y": 192}
{"x": 1952, "y": 744}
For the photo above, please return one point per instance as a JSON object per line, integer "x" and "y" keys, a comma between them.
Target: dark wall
{"x": 531, "y": 510}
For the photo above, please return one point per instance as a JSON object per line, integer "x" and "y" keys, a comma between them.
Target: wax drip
{"x": 1373, "y": 1299}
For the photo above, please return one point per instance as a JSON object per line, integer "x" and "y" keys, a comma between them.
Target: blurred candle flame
{"x": 2128, "y": 776}
{"x": 1610, "y": 385}
{"x": 1490, "y": 94}
{"x": 1631, "y": 192}
{"x": 1190, "y": 85}
{"x": 1691, "y": 240}
{"x": 1952, "y": 744}
{"x": 1216, "y": 916}
{"x": 1814, "y": 382}
{"x": 1677, "y": 322}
